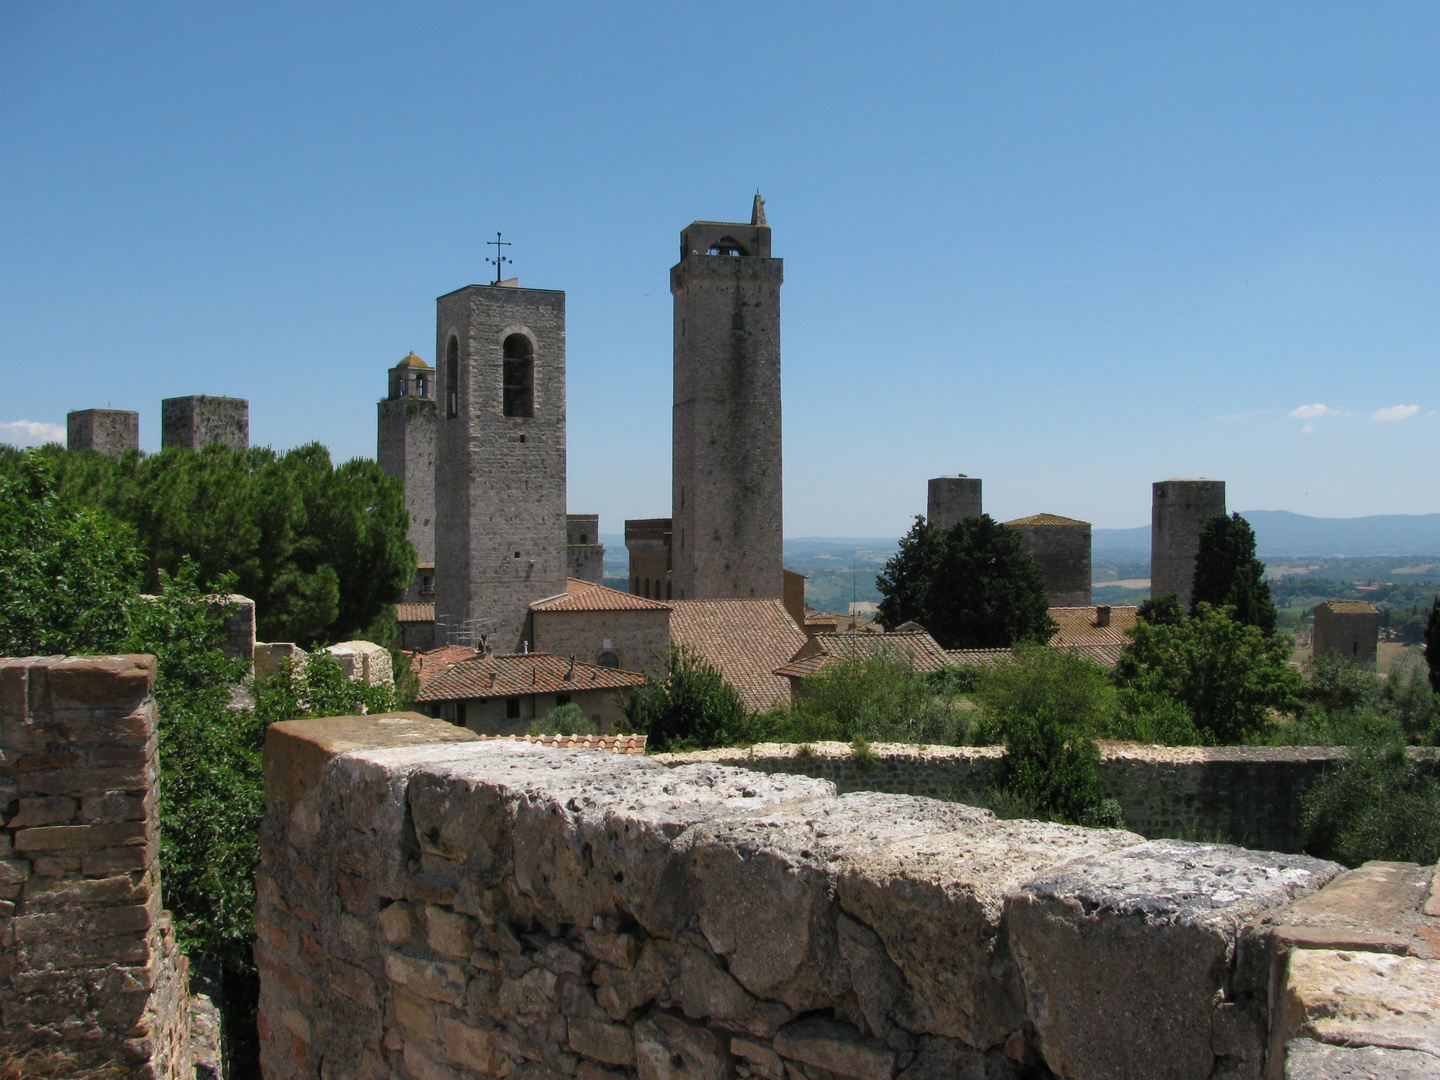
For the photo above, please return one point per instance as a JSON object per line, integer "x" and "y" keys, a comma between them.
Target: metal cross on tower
{"x": 500, "y": 260}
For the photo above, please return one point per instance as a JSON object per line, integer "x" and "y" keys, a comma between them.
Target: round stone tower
{"x": 1178, "y": 511}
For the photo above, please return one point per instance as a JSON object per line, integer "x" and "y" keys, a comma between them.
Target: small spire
{"x": 757, "y": 214}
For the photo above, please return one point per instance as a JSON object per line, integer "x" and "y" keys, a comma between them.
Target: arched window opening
{"x": 726, "y": 246}
{"x": 646, "y": 593}
{"x": 737, "y": 321}
{"x": 452, "y": 378}
{"x": 518, "y": 397}
{"x": 420, "y": 385}
{"x": 667, "y": 590}
{"x": 608, "y": 659}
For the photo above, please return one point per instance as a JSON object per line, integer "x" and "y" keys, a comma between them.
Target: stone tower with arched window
{"x": 500, "y": 538}
{"x": 726, "y": 475}
{"x": 406, "y": 449}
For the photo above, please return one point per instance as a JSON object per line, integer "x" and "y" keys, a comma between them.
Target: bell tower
{"x": 726, "y": 503}
{"x": 500, "y": 538}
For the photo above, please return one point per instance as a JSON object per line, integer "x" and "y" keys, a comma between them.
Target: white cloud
{"x": 30, "y": 432}
{"x": 1311, "y": 412}
{"x": 1395, "y": 412}
{"x": 1308, "y": 429}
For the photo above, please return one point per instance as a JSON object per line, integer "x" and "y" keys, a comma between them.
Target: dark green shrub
{"x": 1068, "y": 687}
{"x": 692, "y": 707}
{"x": 877, "y": 698}
{"x": 1050, "y": 764}
{"x": 1378, "y": 804}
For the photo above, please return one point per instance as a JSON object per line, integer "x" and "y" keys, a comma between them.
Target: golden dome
{"x": 413, "y": 361}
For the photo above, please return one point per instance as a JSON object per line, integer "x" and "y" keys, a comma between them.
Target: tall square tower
{"x": 726, "y": 477}
{"x": 406, "y": 449}
{"x": 500, "y": 534}
{"x": 199, "y": 421}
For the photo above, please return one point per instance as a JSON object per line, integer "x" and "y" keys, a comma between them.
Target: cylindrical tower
{"x": 952, "y": 498}
{"x": 1178, "y": 511}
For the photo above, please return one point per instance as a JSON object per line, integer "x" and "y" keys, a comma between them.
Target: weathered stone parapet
{"x": 433, "y": 906}
{"x": 1249, "y": 795}
{"x": 88, "y": 960}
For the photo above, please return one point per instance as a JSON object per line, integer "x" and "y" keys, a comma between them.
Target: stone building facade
{"x": 584, "y": 554}
{"x": 406, "y": 450}
{"x": 194, "y": 422}
{"x": 1178, "y": 511}
{"x": 648, "y": 541}
{"x": 604, "y": 626}
{"x": 951, "y": 498}
{"x": 1061, "y": 546}
{"x": 500, "y": 524}
{"x": 106, "y": 431}
{"x": 726, "y": 498}
{"x": 1348, "y": 627}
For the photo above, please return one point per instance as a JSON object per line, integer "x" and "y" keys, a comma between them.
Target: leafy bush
{"x": 567, "y": 719}
{"x": 1068, "y": 687}
{"x": 877, "y": 698}
{"x": 691, "y": 707}
{"x": 1378, "y": 804}
{"x": 1227, "y": 676}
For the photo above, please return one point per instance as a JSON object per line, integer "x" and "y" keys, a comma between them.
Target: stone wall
{"x": 1237, "y": 794}
{"x": 639, "y": 639}
{"x": 432, "y": 908}
{"x": 88, "y": 959}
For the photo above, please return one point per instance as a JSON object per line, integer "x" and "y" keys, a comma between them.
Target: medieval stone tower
{"x": 951, "y": 498}
{"x": 406, "y": 449}
{"x": 1178, "y": 511}
{"x": 726, "y": 475}
{"x": 500, "y": 460}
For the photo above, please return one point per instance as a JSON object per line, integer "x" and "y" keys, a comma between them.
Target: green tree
{"x": 321, "y": 550}
{"x": 1042, "y": 679}
{"x": 567, "y": 719}
{"x": 1227, "y": 675}
{"x": 874, "y": 698}
{"x": 907, "y": 582}
{"x": 68, "y": 576}
{"x": 1377, "y": 804}
{"x": 974, "y": 587}
{"x": 691, "y": 707}
{"x": 1162, "y": 610}
{"x": 1432, "y": 645}
{"x": 1227, "y": 573}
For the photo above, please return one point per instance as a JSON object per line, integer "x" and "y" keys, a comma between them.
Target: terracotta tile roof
{"x": 587, "y": 596}
{"x": 1351, "y": 607}
{"x": 616, "y": 744}
{"x": 746, "y": 639}
{"x": 979, "y": 657}
{"x": 414, "y": 613}
{"x": 1046, "y": 519}
{"x": 519, "y": 674}
{"x": 1077, "y": 626}
{"x": 428, "y": 665}
{"x": 918, "y": 647}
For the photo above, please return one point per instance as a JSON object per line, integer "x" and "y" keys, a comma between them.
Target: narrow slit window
{"x": 452, "y": 379}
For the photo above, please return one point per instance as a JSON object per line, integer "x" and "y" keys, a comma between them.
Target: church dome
{"x": 413, "y": 361}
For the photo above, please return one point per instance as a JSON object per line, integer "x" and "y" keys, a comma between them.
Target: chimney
{"x": 1102, "y": 615}
{"x": 571, "y": 673}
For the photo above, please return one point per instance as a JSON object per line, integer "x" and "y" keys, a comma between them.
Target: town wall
{"x": 106, "y": 431}
{"x": 433, "y": 908}
{"x": 88, "y": 960}
{"x": 640, "y": 640}
{"x": 1235, "y": 794}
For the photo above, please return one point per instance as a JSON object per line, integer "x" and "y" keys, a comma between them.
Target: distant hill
{"x": 1279, "y": 532}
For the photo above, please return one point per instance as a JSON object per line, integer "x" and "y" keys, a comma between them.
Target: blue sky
{"x": 1068, "y": 248}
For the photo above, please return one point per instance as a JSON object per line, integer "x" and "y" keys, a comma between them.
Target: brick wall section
{"x": 640, "y": 639}
{"x": 87, "y": 957}
{"x": 440, "y": 910}
{"x": 1233, "y": 794}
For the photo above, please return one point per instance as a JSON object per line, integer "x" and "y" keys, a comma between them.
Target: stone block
{"x": 1363, "y": 999}
{"x": 87, "y": 781}
{"x": 610, "y": 1043}
{"x": 469, "y": 1047}
{"x": 102, "y": 680}
{"x": 837, "y": 1048}
{"x": 107, "y": 861}
{"x": 65, "y": 837}
{"x": 1133, "y": 949}
{"x": 1306, "y": 1059}
{"x": 667, "y": 1048}
{"x": 438, "y": 981}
